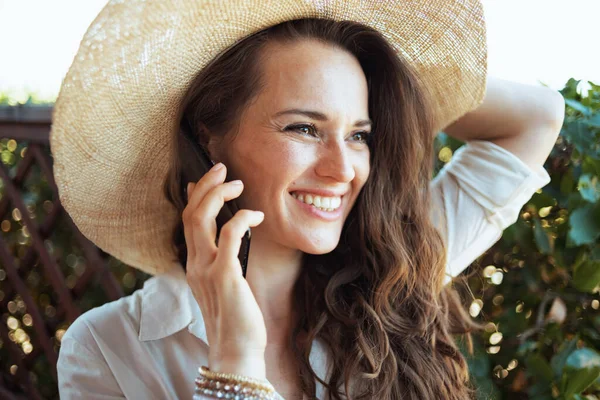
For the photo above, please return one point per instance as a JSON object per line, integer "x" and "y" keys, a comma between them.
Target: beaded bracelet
{"x": 231, "y": 386}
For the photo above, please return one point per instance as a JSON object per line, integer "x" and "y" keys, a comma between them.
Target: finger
{"x": 216, "y": 175}
{"x": 230, "y": 238}
{"x": 213, "y": 177}
{"x": 189, "y": 239}
{"x": 203, "y": 220}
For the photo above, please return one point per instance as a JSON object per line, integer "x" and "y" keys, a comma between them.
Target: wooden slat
{"x": 51, "y": 269}
{"x": 26, "y": 114}
{"x": 32, "y": 133}
{"x": 45, "y": 229}
{"x": 38, "y": 321}
{"x": 22, "y": 373}
{"x": 22, "y": 171}
{"x": 108, "y": 281}
{"x": 32, "y": 125}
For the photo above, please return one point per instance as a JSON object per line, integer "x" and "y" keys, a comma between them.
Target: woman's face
{"x": 287, "y": 159}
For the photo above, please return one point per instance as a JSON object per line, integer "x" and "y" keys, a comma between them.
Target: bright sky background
{"x": 528, "y": 41}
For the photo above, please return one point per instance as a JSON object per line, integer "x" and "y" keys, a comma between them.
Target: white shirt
{"x": 150, "y": 344}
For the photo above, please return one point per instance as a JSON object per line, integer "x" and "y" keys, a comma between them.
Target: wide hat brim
{"x": 115, "y": 118}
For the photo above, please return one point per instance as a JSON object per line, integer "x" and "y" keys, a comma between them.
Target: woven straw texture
{"x": 115, "y": 117}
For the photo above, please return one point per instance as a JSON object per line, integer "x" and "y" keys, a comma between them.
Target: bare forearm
{"x": 509, "y": 108}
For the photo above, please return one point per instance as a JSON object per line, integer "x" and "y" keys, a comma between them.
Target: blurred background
{"x": 537, "y": 289}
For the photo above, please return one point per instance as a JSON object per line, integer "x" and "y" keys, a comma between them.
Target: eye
{"x": 310, "y": 129}
{"x": 362, "y": 136}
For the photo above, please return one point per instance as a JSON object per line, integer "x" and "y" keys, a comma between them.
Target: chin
{"x": 319, "y": 248}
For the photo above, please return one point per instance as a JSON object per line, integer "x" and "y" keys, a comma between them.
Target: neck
{"x": 272, "y": 273}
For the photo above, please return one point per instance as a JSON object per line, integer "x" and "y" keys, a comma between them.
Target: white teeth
{"x": 317, "y": 201}
{"x": 335, "y": 202}
{"x": 322, "y": 203}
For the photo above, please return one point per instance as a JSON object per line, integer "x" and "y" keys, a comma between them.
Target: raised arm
{"x": 523, "y": 119}
{"x": 486, "y": 183}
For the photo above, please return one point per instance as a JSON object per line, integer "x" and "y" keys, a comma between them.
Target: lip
{"x": 315, "y": 212}
{"x": 319, "y": 192}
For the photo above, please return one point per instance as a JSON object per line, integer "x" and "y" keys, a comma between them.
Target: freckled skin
{"x": 272, "y": 162}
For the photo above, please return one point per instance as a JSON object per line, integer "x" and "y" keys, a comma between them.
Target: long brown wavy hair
{"x": 378, "y": 300}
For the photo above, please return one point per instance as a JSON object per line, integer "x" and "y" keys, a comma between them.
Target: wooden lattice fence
{"x": 49, "y": 272}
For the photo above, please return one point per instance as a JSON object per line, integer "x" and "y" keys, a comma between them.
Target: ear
{"x": 213, "y": 148}
{"x": 212, "y": 144}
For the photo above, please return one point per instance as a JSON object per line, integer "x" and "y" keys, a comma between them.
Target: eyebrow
{"x": 320, "y": 116}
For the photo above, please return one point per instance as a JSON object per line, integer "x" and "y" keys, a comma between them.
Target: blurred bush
{"x": 538, "y": 287}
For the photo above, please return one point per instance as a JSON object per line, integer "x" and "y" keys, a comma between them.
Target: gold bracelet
{"x": 219, "y": 390}
{"x": 227, "y": 377}
{"x": 232, "y": 386}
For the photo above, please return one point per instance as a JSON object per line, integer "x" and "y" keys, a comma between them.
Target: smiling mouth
{"x": 322, "y": 203}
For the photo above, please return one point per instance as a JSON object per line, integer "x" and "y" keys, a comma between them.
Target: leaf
{"x": 520, "y": 232}
{"x": 567, "y": 182}
{"x": 586, "y": 276}
{"x": 578, "y": 133}
{"x": 589, "y": 187}
{"x": 539, "y": 391}
{"x": 591, "y": 165}
{"x": 594, "y": 121}
{"x": 581, "y": 370}
{"x": 578, "y": 397}
{"x": 590, "y": 334}
{"x": 542, "y": 239}
{"x": 527, "y": 347}
{"x": 480, "y": 370}
{"x": 538, "y": 367}
{"x": 541, "y": 200}
{"x": 595, "y": 254}
{"x": 575, "y": 201}
{"x": 560, "y": 358}
{"x": 570, "y": 88}
{"x": 584, "y": 224}
{"x": 578, "y": 106}
{"x": 581, "y": 257}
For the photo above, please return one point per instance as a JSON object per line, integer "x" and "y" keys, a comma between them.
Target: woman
{"x": 345, "y": 293}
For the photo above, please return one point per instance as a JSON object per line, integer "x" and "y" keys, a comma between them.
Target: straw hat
{"x": 115, "y": 117}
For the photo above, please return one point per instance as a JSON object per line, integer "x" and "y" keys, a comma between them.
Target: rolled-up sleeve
{"x": 82, "y": 372}
{"x": 480, "y": 191}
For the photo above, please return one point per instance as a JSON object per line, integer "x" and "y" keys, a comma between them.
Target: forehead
{"x": 312, "y": 72}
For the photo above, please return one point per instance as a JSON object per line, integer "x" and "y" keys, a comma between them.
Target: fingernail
{"x": 237, "y": 182}
{"x": 218, "y": 166}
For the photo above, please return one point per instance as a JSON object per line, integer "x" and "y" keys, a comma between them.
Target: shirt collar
{"x": 168, "y": 306}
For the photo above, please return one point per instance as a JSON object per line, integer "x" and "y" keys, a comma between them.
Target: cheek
{"x": 268, "y": 168}
{"x": 291, "y": 160}
{"x": 363, "y": 169}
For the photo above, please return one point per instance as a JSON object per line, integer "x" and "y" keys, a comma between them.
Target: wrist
{"x": 252, "y": 366}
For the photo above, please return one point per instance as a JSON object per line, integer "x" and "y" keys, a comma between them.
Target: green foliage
{"x": 32, "y": 98}
{"x": 547, "y": 304}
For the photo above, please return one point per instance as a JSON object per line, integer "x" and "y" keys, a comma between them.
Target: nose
{"x": 336, "y": 162}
